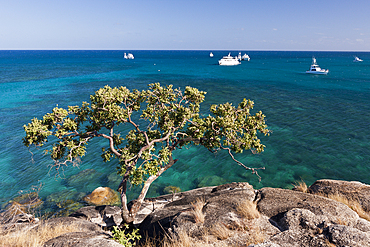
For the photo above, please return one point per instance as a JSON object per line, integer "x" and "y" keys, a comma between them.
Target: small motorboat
{"x": 229, "y": 60}
{"x": 357, "y": 59}
{"x": 128, "y": 56}
{"x": 246, "y": 57}
{"x": 315, "y": 69}
{"x": 211, "y": 54}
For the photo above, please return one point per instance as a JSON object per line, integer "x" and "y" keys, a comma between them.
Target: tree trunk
{"x": 129, "y": 215}
{"x": 122, "y": 188}
{"x": 137, "y": 203}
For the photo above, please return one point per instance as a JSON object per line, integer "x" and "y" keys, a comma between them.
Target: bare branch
{"x": 254, "y": 170}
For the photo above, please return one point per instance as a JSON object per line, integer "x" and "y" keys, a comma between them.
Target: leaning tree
{"x": 158, "y": 121}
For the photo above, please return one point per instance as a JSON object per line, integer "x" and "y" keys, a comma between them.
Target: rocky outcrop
{"x": 286, "y": 218}
{"x": 154, "y": 204}
{"x": 275, "y": 203}
{"x": 217, "y": 204}
{"x": 352, "y": 191}
{"x": 235, "y": 215}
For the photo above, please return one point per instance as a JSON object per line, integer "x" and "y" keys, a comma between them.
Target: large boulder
{"x": 200, "y": 211}
{"x": 103, "y": 196}
{"x": 310, "y": 220}
{"x": 275, "y": 202}
{"x": 351, "y": 190}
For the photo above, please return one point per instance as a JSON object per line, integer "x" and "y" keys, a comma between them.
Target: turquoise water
{"x": 320, "y": 124}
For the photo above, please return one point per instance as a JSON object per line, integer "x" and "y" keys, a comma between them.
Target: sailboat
{"x": 211, "y": 54}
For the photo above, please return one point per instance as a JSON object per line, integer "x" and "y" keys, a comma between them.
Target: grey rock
{"x": 362, "y": 225}
{"x": 274, "y": 203}
{"x": 83, "y": 239}
{"x": 287, "y": 218}
{"x": 80, "y": 223}
{"x": 104, "y": 216}
{"x": 301, "y": 227}
{"x": 299, "y": 219}
{"x": 149, "y": 205}
{"x": 220, "y": 205}
{"x": 348, "y": 236}
{"x": 296, "y": 238}
{"x": 351, "y": 190}
{"x": 265, "y": 244}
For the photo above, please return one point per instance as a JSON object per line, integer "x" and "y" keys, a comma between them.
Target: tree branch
{"x": 254, "y": 170}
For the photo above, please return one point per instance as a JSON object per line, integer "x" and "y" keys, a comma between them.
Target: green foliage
{"x": 125, "y": 237}
{"x": 157, "y": 121}
{"x": 171, "y": 189}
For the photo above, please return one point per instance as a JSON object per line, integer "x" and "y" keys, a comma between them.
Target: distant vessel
{"x": 246, "y": 57}
{"x": 240, "y": 56}
{"x": 229, "y": 60}
{"x": 357, "y": 59}
{"x": 211, "y": 54}
{"x": 128, "y": 56}
{"x": 315, "y": 69}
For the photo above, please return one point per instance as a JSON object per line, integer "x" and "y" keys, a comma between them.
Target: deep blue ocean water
{"x": 320, "y": 124}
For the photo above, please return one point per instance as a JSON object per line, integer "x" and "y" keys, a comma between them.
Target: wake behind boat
{"x": 315, "y": 69}
{"x": 229, "y": 60}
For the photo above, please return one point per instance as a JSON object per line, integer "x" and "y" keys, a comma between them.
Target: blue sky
{"x": 330, "y": 25}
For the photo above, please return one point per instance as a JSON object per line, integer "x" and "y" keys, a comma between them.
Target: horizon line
{"x": 121, "y": 49}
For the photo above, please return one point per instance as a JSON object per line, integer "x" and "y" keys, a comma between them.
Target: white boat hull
{"x": 228, "y": 63}
{"x": 321, "y": 72}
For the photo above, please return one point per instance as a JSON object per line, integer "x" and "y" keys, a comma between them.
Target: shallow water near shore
{"x": 320, "y": 124}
